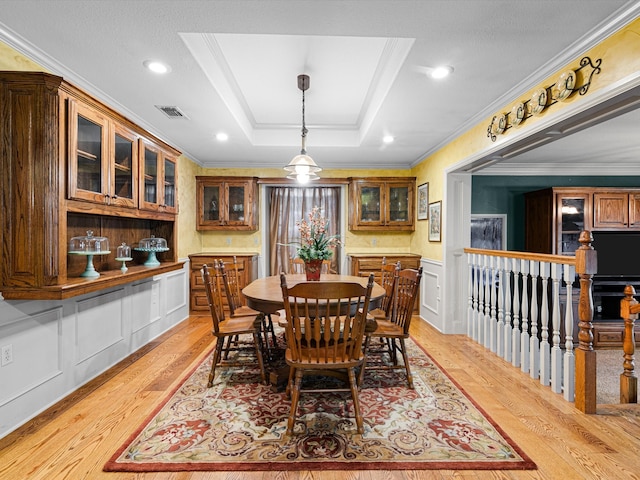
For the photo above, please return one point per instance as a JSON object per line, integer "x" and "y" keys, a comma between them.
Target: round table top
{"x": 265, "y": 294}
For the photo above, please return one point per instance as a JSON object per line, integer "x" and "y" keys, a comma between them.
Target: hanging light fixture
{"x": 302, "y": 167}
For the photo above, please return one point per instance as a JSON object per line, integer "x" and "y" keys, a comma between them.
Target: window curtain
{"x": 287, "y": 205}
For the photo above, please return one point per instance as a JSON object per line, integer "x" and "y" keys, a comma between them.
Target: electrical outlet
{"x": 7, "y": 355}
{"x": 374, "y": 241}
{"x": 228, "y": 240}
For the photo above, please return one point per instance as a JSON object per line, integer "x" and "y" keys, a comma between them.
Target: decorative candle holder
{"x": 123, "y": 254}
{"x": 89, "y": 246}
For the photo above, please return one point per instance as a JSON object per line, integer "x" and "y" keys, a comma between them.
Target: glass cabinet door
{"x": 211, "y": 206}
{"x": 88, "y": 155}
{"x": 236, "y": 204}
{"x": 398, "y": 204}
{"x": 124, "y": 169}
{"x": 370, "y": 201}
{"x": 169, "y": 190}
{"x": 571, "y": 222}
{"x": 150, "y": 195}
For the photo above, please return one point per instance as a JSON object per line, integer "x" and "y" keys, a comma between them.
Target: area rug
{"x": 239, "y": 424}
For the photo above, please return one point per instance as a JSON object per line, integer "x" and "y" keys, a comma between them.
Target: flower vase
{"x": 312, "y": 269}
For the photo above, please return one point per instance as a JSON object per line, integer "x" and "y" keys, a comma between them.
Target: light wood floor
{"x": 74, "y": 439}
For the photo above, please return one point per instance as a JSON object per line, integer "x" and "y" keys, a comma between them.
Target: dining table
{"x": 265, "y": 294}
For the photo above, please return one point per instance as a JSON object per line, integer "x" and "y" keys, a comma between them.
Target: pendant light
{"x": 302, "y": 167}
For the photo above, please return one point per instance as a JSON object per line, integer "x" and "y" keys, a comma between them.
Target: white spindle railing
{"x": 515, "y": 302}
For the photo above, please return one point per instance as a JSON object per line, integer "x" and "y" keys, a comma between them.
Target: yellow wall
{"x": 620, "y": 54}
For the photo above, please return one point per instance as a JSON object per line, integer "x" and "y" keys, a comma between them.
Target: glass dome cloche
{"x": 152, "y": 245}
{"x": 123, "y": 254}
{"x": 89, "y": 245}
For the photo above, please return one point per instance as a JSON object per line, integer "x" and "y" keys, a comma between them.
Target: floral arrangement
{"x": 315, "y": 243}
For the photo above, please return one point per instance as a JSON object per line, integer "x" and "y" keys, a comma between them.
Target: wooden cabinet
{"x": 54, "y": 136}
{"x": 554, "y": 217}
{"x": 103, "y": 158}
{"x": 227, "y": 203}
{"x": 158, "y": 182}
{"x": 198, "y": 297}
{"x": 382, "y": 204}
{"x": 363, "y": 264}
{"x": 619, "y": 209}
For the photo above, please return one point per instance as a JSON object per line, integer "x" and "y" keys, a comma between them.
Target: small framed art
{"x": 434, "y": 221}
{"x": 423, "y": 201}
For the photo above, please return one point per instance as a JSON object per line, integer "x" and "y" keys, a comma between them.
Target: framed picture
{"x": 434, "y": 221}
{"x": 489, "y": 232}
{"x": 423, "y": 201}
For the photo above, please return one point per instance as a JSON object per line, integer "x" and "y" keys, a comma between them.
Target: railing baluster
{"x": 556, "y": 352}
{"x": 545, "y": 349}
{"x": 569, "y": 385}
{"x": 487, "y": 301}
{"x": 515, "y": 344}
{"x": 471, "y": 298}
{"x": 493, "y": 324}
{"x": 500, "y": 332}
{"x": 534, "y": 344}
{"x": 481, "y": 300}
{"x": 507, "y": 310}
{"x": 524, "y": 310}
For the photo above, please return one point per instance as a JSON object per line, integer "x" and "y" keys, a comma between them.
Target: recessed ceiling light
{"x": 222, "y": 137}
{"x": 156, "y": 67}
{"x": 388, "y": 139}
{"x": 442, "y": 71}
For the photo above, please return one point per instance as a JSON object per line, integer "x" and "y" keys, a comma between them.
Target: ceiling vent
{"x": 171, "y": 112}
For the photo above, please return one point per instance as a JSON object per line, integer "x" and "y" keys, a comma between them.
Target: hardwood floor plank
{"x": 74, "y": 438}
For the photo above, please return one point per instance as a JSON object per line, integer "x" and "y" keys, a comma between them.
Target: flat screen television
{"x": 618, "y": 253}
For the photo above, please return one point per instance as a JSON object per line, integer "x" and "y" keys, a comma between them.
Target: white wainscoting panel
{"x": 99, "y": 324}
{"x": 60, "y": 345}
{"x": 35, "y": 344}
{"x": 430, "y": 293}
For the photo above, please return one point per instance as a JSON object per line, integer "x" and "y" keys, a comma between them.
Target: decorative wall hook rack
{"x": 565, "y": 87}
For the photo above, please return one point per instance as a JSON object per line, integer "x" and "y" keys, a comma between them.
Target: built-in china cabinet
{"x": 382, "y": 204}
{"x": 226, "y": 203}
{"x": 71, "y": 164}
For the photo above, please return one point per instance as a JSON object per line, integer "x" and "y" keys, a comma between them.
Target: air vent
{"x": 171, "y": 112}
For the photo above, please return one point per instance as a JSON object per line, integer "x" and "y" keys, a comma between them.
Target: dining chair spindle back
{"x": 395, "y": 330}
{"x": 229, "y": 332}
{"x": 324, "y": 332}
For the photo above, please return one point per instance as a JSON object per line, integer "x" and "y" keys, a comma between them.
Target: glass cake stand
{"x": 152, "y": 260}
{"x": 90, "y": 271}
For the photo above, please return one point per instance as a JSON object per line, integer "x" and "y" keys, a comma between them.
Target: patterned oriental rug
{"x": 239, "y": 424}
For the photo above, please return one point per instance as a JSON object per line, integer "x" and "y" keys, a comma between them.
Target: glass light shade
{"x": 302, "y": 168}
{"x": 89, "y": 244}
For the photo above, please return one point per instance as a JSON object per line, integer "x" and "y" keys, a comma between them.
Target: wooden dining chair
{"x": 388, "y": 279}
{"x": 324, "y": 332}
{"x": 296, "y": 265}
{"x": 229, "y": 331}
{"x": 230, "y": 274}
{"x": 394, "y": 330}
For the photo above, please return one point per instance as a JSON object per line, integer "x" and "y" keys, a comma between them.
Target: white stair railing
{"x": 516, "y": 302}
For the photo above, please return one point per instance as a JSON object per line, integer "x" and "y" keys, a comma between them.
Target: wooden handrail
{"x": 539, "y": 257}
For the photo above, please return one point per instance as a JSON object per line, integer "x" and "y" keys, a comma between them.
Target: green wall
{"x": 505, "y": 194}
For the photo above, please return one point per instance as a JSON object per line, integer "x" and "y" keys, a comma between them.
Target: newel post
{"x": 629, "y": 309}
{"x": 586, "y": 267}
